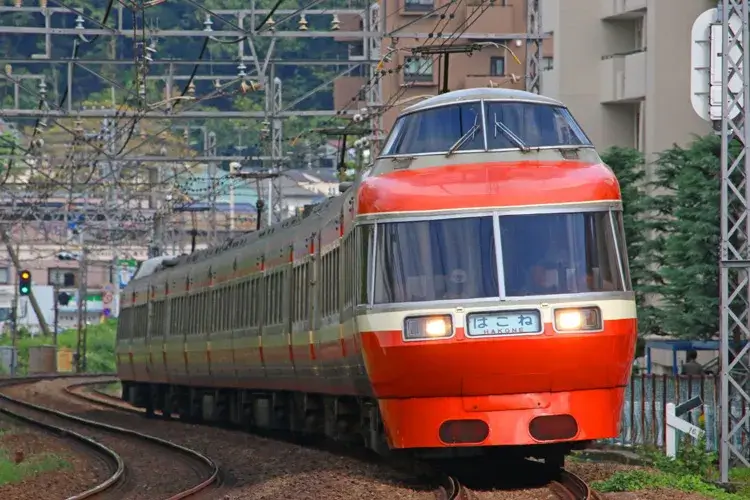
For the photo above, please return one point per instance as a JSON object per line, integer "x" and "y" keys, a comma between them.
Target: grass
{"x": 100, "y": 346}
{"x": 693, "y": 470}
{"x": 641, "y": 479}
{"x": 10, "y": 472}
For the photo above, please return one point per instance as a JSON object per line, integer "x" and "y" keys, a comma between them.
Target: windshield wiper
{"x": 462, "y": 140}
{"x": 508, "y": 133}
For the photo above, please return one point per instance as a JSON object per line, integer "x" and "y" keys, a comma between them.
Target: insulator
{"x": 250, "y": 86}
{"x": 79, "y": 22}
{"x": 271, "y": 24}
{"x": 302, "y": 23}
{"x": 335, "y": 23}
{"x": 43, "y": 4}
{"x": 217, "y": 83}
{"x": 208, "y": 23}
{"x": 241, "y": 70}
{"x": 8, "y": 69}
{"x": 18, "y": 4}
{"x": 191, "y": 89}
{"x": 142, "y": 90}
{"x": 357, "y": 118}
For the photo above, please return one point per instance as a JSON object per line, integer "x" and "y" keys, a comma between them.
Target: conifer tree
{"x": 629, "y": 166}
{"x": 687, "y": 244}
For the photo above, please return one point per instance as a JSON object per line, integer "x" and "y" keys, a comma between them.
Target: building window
{"x": 497, "y": 66}
{"x": 4, "y": 276}
{"x": 418, "y": 5}
{"x": 547, "y": 63}
{"x": 418, "y": 69}
{"x": 63, "y": 277}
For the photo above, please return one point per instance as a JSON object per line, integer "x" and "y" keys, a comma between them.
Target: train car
{"x": 468, "y": 294}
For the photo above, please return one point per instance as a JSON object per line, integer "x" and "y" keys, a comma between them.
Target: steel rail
{"x": 568, "y": 487}
{"x": 113, "y": 457}
{"x": 572, "y": 487}
{"x": 452, "y": 489}
{"x": 213, "y": 477}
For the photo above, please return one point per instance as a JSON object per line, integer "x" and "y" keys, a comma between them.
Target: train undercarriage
{"x": 344, "y": 419}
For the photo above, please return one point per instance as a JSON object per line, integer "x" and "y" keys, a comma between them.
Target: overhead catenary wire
{"x": 152, "y": 137}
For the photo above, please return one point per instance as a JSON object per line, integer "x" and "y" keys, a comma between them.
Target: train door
{"x": 139, "y": 346}
{"x": 125, "y": 333}
{"x": 316, "y": 302}
{"x": 168, "y": 324}
{"x": 291, "y": 307}
{"x": 365, "y": 237}
{"x": 261, "y": 301}
{"x": 156, "y": 340}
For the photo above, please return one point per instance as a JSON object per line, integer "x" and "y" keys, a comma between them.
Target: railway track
{"x": 142, "y": 466}
{"x": 567, "y": 486}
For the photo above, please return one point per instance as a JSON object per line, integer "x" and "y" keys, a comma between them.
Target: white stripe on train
{"x": 390, "y": 321}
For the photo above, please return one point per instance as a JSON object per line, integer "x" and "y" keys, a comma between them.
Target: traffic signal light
{"x": 24, "y": 282}
{"x": 63, "y": 298}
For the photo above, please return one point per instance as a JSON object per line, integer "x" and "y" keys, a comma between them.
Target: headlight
{"x": 578, "y": 319}
{"x": 428, "y": 327}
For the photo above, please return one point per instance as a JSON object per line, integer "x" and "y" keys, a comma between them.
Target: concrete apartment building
{"x": 623, "y": 68}
{"x": 501, "y": 22}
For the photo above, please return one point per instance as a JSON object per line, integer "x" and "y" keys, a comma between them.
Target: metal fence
{"x": 643, "y": 421}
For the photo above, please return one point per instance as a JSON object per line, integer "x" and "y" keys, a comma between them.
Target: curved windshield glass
{"x": 535, "y": 125}
{"x": 550, "y": 254}
{"x": 435, "y": 260}
{"x": 439, "y": 130}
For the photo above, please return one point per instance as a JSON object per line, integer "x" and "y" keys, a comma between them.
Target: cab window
{"x": 535, "y": 125}
{"x": 437, "y": 130}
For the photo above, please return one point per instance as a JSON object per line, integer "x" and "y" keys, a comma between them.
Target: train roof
{"x": 481, "y": 93}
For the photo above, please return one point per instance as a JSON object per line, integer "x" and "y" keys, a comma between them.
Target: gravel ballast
{"x": 77, "y": 469}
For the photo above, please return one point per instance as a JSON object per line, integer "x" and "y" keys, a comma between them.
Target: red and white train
{"x": 470, "y": 292}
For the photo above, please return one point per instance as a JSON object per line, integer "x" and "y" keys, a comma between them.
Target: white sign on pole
{"x": 706, "y": 66}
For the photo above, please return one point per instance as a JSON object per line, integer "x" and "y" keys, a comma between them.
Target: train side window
{"x": 365, "y": 238}
{"x": 335, "y": 282}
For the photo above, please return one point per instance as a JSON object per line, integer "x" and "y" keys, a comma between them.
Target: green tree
{"x": 688, "y": 238}
{"x": 629, "y": 166}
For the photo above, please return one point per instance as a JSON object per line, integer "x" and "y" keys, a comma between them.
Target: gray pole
{"x": 735, "y": 234}
{"x": 32, "y": 298}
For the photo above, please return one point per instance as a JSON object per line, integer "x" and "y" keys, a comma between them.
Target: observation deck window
{"x": 437, "y": 130}
{"x": 536, "y": 125}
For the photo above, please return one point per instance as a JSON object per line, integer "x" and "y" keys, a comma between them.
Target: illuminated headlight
{"x": 578, "y": 319}
{"x": 428, "y": 327}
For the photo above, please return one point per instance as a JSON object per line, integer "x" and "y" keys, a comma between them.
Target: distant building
{"x": 503, "y": 22}
{"x": 623, "y": 68}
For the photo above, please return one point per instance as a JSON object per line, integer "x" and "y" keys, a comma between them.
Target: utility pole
{"x": 81, "y": 307}
{"x": 56, "y": 320}
{"x": 32, "y": 298}
{"x": 14, "y": 327}
{"x": 273, "y": 126}
{"x": 719, "y": 49}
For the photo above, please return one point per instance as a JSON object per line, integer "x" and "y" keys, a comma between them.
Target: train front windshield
{"x": 541, "y": 254}
{"x": 461, "y": 127}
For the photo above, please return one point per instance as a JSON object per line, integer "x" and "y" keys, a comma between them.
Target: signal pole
{"x": 32, "y": 299}
{"x": 719, "y": 65}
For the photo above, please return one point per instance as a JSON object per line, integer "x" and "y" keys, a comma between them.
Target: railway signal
{"x": 24, "y": 283}
{"x": 63, "y": 298}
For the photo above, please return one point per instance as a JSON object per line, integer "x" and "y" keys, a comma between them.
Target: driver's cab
{"x": 509, "y": 125}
